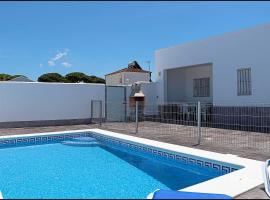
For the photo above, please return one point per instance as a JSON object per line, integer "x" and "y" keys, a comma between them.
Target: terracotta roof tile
{"x": 129, "y": 70}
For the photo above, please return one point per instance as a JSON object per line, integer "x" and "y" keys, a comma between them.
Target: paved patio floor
{"x": 245, "y": 144}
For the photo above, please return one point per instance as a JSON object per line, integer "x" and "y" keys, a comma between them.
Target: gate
{"x": 96, "y": 111}
{"x": 115, "y": 104}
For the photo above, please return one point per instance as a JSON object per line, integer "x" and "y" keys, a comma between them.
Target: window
{"x": 244, "y": 81}
{"x": 201, "y": 87}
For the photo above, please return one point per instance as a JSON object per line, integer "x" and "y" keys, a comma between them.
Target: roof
{"x": 219, "y": 36}
{"x": 128, "y": 70}
{"x": 132, "y": 67}
{"x": 21, "y": 79}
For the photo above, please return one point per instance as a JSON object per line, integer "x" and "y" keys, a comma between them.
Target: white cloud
{"x": 40, "y": 64}
{"x": 66, "y": 64}
{"x": 59, "y": 56}
{"x": 51, "y": 63}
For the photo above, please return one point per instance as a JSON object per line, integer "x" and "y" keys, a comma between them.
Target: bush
{"x": 52, "y": 77}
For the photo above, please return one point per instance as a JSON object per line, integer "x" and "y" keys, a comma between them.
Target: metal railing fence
{"x": 200, "y": 123}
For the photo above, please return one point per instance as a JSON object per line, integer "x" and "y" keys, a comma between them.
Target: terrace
{"x": 181, "y": 136}
{"x": 244, "y": 132}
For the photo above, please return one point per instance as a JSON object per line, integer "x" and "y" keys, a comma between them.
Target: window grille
{"x": 244, "y": 81}
{"x": 201, "y": 87}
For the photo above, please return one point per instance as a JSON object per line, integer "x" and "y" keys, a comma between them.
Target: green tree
{"x": 5, "y": 77}
{"x": 52, "y": 77}
{"x": 76, "y": 77}
{"x": 94, "y": 79}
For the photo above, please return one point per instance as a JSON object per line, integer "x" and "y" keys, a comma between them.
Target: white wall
{"x": 132, "y": 77}
{"x": 47, "y": 101}
{"x": 150, "y": 92}
{"x": 114, "y": 79}
{"x": 126, "y": 78}
{"x": 151, "y": 97}
{"x": 228, "y": 52}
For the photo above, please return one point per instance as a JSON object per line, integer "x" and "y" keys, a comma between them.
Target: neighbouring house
{"x": 21, "y": 79}
{"x": 128, "y": 75}
{"x": 231, "y": 68}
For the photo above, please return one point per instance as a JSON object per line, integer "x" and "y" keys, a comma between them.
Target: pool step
{"x": 84, "y": 139}
{"x": 82, "y": 142}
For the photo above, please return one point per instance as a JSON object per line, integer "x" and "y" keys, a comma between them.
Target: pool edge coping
{"x": 237, "y": 182}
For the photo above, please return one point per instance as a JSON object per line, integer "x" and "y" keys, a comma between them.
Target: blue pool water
{"x": 61, "y": 171}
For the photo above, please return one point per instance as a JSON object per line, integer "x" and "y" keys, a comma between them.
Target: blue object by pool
{"x": 104, "y": 171}
{"x": 266, "y": 175}
{"x": 169, "y": 194}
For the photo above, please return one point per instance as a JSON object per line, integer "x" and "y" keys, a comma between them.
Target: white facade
{"x": 114, "y": 79}
{"x": 226, "y": 54}
{"x": 126, "y": 78}
{"x": 20, "y": 101}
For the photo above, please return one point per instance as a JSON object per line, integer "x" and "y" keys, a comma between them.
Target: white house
{"x": 128, "y": 75}
{"x": 21, "y": 79}
{"x": 230, "y": 68}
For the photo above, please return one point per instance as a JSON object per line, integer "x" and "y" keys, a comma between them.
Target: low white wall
{"x": 151, "y": 98}
{"x": 150, "y": 92}
{"x": 47, "y": 101}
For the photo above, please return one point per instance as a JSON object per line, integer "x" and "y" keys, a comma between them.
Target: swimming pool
{"x": 40, "y": 166}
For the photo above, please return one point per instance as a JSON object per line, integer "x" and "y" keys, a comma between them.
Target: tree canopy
{"x": 74, "y": 77}
{"x": 52, "y": 77}
{"x": 7, "y": 77}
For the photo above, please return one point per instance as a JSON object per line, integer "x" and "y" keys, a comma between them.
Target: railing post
{"x": 100, "y": 113}
{"x": 136, "y": 115}
{"x": 199, "y": 122}
{"x": 91, "y": 117}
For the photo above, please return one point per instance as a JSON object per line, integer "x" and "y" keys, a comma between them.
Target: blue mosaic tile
{"x": 4, "y": 143}
{"x": 183, "y": 158}
{"x": 217, "y": 166}
{"x": 164, "y": 154}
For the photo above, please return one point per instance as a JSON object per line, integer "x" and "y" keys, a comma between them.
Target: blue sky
{"x": 100, "y": 37}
